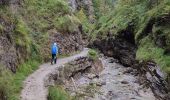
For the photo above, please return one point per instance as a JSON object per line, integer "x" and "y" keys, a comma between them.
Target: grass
{"x": 149, "y": 20}
{"x": 93, "y": 54}
{"x": 22, "y": 35}
{"x": 11, "y": 84}
{"x": 58, "y": 93}
{"x": 67, "y": 23}
{"x": 149, "y": 51}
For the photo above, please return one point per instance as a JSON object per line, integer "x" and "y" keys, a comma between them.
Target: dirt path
{"x": 34, "y": 85}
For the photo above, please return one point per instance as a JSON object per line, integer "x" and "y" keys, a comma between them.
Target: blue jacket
{"x": 54, "y": 49}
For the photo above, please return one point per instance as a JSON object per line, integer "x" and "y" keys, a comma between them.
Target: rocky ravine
{"x": 103, "y": 79}
{"x": 123, "y": 48}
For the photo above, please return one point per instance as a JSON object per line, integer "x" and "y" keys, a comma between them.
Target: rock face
{"x": 78, "y": 67}
{"x": 154, "y": 78}
{"x": 7, "y": 2}
{"x": 10, "y": 54}
{"x": 82, "y": 65}
{"x": 68, "y": 42}
{"x": 118, "y": 48}
{"x": 87, "y": 5}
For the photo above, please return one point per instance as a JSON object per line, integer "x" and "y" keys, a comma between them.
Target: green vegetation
{"x": 149, "y": 51}
{"x": 1, "y": 28}
{"x": 11, "y": 84}
{"x": 93, "y": 54}
{"x": 87, "y": 26}
{"x": 45, "y": 14}
{"x": 58, "y": 93}
{"x": 21, "y": 35}
{"x": 148, "y": 21}
{"x": 30, "y": 26}
{"x": 67, "y": 23}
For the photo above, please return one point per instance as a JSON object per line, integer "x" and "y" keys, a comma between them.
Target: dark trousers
{"x": 54, "y": 58}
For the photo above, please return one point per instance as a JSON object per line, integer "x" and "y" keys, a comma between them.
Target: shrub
{"x": 149, "y": 51}
{"x": 21, "y": 36}
{"x": 93, "y": 54}
{"x": 67, "y": 23}
{"x": 58, "y": 93}
{"x": 5, "y": 84}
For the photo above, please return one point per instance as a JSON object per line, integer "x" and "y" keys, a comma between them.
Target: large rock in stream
{"x": 155, "y": 78}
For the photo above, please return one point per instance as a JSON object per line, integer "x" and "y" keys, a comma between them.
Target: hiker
{"x": 54, "y": 52}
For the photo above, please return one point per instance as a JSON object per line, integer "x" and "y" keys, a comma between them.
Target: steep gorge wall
{"x": 86, "y": 5}
{"x": 8, "y": 52}
{"x": 11, "y": 54}
{"x": 68, "y": 43}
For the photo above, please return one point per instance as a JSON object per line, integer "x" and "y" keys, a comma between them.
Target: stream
{"x": 114, "y": 82}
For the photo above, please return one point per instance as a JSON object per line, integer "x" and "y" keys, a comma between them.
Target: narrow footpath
{"x": 34, "y": 86}
{"x": 115, "y": 82}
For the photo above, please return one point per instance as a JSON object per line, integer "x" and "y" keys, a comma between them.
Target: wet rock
{"x": 100, "y": 83}
{"x": 125, "y": 82}
{"x": 68, "y": 42}
{"x": 91, "y": 76}
{"x": 113, "y": 61}
{"x": 129, "y": 70}
{"x": 155, "y": 78}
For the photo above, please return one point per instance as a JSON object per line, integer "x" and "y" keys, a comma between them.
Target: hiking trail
{"x": 34, "y": 86}
{"x": 117, "y": 83}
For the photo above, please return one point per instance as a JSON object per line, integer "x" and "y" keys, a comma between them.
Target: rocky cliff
{"x": 11, "y": 54}
{"x": 86, "y": 5}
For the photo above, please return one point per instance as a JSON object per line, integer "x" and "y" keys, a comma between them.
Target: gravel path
{"x": 34, "y": 85}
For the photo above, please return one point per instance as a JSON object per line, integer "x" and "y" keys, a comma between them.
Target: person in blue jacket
{"x": 54, "y": 52}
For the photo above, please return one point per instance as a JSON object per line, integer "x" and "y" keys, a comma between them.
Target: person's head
{"x": 55, "y": 43}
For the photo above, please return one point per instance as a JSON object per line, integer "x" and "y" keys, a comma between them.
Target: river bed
{"x": 114, "y": 82}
